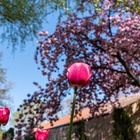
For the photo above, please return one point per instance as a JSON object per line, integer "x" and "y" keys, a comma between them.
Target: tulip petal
{"x": 79, "y": 74}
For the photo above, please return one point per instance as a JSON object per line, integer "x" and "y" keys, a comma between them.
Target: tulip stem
{"x": 72, "y": 114}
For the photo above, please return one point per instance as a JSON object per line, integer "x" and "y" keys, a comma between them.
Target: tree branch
{"x": 107, "y": 68}
{"x": 129, "y": 73}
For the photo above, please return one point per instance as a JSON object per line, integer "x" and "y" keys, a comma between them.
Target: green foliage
{"x": 4, "y": 86}
{"x": 1, "y": 134}
{"x": 9, "y": 134}
{"x": 29, "y": 138}
{"x": 123, "y": 128}
{"x": 133, "y": 6}
{"x": 80, "y": 130}
{"x": 20, "y": 19}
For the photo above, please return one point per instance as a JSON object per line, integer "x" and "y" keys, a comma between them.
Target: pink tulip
{"x": 79, "y": 74}
{"x": 4, "y": 115}
{"x": 41, "y": 134}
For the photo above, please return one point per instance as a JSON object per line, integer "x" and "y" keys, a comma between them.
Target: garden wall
{"x": 97, "y": 128}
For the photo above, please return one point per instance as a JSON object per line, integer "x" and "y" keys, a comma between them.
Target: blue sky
{"x": 21, "y": 69}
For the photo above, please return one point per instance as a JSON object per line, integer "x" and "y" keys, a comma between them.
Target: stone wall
{"x": 98, "y": 128}
{"x": 95, "y": 129}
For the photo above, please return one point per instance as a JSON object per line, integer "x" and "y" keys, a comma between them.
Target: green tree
{"x": 80, "y": 130}
{"x": 128, "y": 5}
{"x": 123, "y": 127}
{"x": 4, "y": 86}
{"x": 8, "y": 134}
{"x": 21, "y": 20}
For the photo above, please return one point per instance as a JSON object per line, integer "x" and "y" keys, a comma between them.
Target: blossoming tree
{"x": 109, "y": 43}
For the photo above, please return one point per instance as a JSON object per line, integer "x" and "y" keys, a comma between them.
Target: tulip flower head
{"x": 41, "y": 134}
{"x": 4, "y": 115}
{"x": 79, "y": 74}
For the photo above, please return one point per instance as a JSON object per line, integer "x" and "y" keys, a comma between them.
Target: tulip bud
{"x": 4, "y": 115}
{"x": 79, "y": 74}
{"x": 41, "y": 134}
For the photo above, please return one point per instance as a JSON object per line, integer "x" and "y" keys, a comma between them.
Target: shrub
{"x": 123, "y": 127}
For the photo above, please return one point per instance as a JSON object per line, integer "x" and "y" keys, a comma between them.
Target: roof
{"x": 85, "y": 113}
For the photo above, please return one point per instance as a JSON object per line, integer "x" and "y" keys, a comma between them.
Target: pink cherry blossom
{"x": 43, "y": 33}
